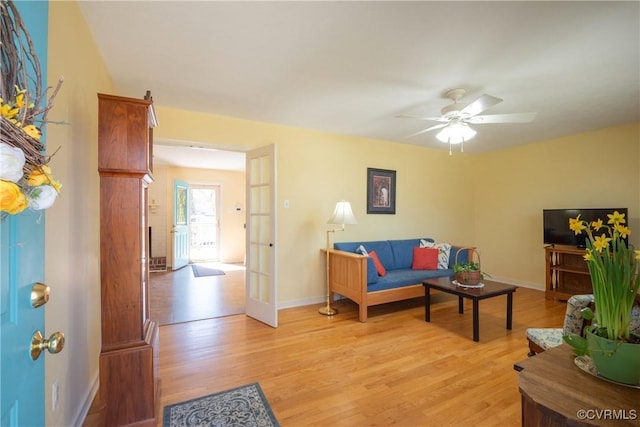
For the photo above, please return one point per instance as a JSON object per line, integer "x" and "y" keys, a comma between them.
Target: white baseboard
{"x": 84, "y": 410}
{"x": 301, "y": 302}
{"x": 508, "y": 281}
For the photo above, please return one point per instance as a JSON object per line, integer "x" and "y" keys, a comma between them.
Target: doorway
{"x": 204, "y": 223}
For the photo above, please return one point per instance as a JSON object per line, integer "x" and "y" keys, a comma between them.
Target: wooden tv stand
{"x": 567, "y": 273}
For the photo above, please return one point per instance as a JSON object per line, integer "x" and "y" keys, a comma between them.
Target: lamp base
{"x": 327, "y": 310}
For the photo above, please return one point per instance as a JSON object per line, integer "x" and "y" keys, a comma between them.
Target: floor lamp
{"x": 341, "y": 215}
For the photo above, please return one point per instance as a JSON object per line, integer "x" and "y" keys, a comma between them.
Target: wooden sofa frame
{"x": 348, "y": 277}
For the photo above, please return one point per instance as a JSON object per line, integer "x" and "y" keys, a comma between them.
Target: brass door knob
{"x": 39, "y": 295}
{"x": 54, "y": 344}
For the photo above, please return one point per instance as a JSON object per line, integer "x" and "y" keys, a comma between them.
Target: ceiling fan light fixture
{"x": 456, "y": 133}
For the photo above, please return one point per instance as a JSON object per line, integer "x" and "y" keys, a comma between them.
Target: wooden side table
{"x": 555, "y": 392}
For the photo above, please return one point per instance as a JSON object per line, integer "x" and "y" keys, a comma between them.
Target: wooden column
{"x": 129, "y": 382}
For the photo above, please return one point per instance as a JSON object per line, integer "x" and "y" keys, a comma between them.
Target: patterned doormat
{"x": 202, "y": 271}
{"x": 241, "y": 406}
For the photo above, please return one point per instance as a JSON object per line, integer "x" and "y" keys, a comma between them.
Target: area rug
{"x": 202, "y": 271}
{"x": 241, "y": 406}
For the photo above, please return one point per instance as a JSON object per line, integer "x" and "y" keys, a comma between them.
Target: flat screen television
{"x": 556, "y": 224}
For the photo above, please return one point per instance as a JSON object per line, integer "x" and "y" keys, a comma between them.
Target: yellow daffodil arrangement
{"x": 613, "y": 265}
{"x": 25, "y": 180}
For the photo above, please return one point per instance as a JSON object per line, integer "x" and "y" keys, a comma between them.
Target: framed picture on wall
{"x": 381, "y": 191}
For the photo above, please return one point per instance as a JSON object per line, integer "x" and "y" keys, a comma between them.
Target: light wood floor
{"x": 178, "y": 296}
{"x": 396, "y": 369}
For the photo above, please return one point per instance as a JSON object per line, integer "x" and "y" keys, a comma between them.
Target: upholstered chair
{"x": 541, "y": 339}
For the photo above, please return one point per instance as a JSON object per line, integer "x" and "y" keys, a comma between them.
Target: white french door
{"x": 261, "y": 291}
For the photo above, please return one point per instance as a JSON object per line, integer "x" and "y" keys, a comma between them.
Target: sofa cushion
{"x": 403, "y": 252}
{"x": 372, "y": 273}
{"x": 425, "y": 259}
{"x": 405, "y": 277}
{"x": 381, "y": 247}
{"x": 464, "y": 256}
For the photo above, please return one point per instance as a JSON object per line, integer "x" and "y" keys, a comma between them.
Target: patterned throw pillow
{"x": 444, "y": 249}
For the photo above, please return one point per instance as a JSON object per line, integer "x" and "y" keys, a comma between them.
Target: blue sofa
{"x": 354, "y": 276}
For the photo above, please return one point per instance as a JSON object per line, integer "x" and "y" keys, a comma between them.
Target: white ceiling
{"x": 197, "y": 157}
{"x": 353, "y": 67}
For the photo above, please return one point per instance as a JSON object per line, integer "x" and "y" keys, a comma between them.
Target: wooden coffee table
{"x": 489, "y": 290}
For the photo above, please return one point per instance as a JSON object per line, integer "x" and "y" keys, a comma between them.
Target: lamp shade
{"x": 342, "y": 214}
{"x": 456, "y": 132}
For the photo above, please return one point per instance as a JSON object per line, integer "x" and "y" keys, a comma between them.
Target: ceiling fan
{"x": 457, "y": 117}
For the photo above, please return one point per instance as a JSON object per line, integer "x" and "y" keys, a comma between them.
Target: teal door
{"x": 22, "y": 265}
{"x": 180, "y": 227}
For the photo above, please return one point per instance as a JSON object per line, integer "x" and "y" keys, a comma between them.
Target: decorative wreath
{"x": 25, "y": 179}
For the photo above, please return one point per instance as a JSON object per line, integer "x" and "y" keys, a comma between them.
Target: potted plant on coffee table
{"x": 468, "y": 273}
{"x": 614, "y": 268}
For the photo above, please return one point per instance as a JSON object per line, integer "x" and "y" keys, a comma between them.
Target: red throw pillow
{"x": 425, "y": 259}
{"x": 381, "y": 270}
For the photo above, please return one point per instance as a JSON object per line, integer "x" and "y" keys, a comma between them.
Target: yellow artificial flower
{"x": 622, "y": 230}
{"x": 20, "y": 99}
{"x": 32, "y": 131}
{"x": 12, "y": 200}
{"x": 40, "y": 176}
{"x": 601, "y": 242}
{"x": 577, "y": 225}
{"x": 616, "y": 218}
{"x": 8, "y": 112}
{"x": 637, "y": 251}
{"x": 596, "y": 225}
{"x": 56, "y": 185}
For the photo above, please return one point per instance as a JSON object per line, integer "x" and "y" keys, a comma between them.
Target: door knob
{"x": 54, "y": 344}
{"x": 39, "y": 295}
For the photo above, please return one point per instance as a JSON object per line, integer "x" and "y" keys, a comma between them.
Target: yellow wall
{"x": 593, "y": 170}
{"x": 72, "y": 232}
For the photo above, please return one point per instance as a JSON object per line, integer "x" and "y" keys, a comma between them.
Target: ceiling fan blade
{"x": 427, "y": 130}
{"x": 479, "y": 105}
{"x": 502, "y": 118}
{"x": 432, "y": 119}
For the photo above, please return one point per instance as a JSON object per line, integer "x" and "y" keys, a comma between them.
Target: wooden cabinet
{"x": 129, "y": 382}
{"x": 567, "y": 272}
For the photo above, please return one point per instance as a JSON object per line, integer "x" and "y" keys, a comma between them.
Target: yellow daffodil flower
{"x": 577, "y": 225}
{"x": 601, "y": 242}
{"x": 596, "y": 225}
{"x": 622, "y": 230}
{"x": 588, "y": 256}
{"x": 616, "y": 218}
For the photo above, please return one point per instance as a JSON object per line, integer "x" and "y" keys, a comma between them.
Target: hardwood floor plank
{"x": 396, "y": 369}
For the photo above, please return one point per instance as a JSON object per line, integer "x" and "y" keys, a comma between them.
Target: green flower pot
{"x": 616, "y": 360}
